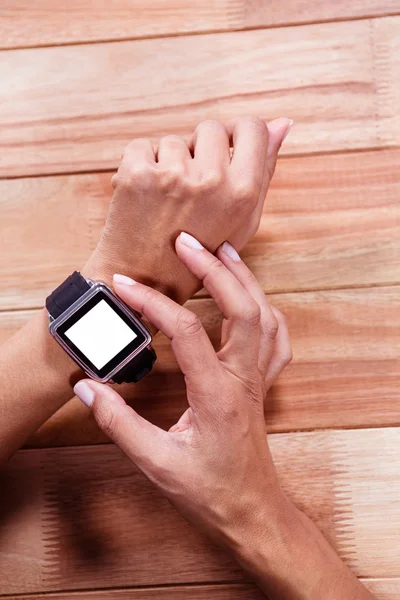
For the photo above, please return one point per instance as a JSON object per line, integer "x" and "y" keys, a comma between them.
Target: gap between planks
{"x": 383, "y": 589}
{"x": 161, "y": 21}
{"x": 205, "y": 32}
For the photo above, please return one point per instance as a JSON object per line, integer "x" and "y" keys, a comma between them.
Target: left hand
{"x": 212, "y": 186}
{"x": 214, "y": 464}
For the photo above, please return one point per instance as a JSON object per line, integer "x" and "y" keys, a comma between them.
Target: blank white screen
{"x": 100, "y": 334}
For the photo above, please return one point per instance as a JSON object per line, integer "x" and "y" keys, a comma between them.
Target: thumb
{"x": 137, "y": 438}
{"x": 278, "y": 129}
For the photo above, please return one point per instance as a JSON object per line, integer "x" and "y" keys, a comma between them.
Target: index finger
{"x": 190, "y": 343}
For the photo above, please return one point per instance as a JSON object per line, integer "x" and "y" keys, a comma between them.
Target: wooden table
{"x": 78, "y": 81}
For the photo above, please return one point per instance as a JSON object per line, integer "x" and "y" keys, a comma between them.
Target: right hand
{"x": 214, "y": 464}
{"x": 194, "y": 186}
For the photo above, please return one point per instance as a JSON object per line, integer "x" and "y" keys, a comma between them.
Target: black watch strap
{"x": 66, "y": 294}
{"x": 137, "y": 368}
{"x": 69, "y": 292}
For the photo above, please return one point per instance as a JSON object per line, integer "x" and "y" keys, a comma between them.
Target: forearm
{"x": 36, "y": 379}
{"x": 37, "y": 376}
{"x": 290, "y": 559}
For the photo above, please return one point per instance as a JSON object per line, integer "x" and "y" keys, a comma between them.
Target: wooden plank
{"x": 92, "y": 520}
{"x": 330, "y": 221}
{"x": 24, "y": 24}
{"x": 345, "y": 371}
{"x": 50, "y": 226}
{"x": 56, "y": 117}
{"x": 383, "y": 589}
{"x": 386, "y": 50}
{"x": 233, "y": 591}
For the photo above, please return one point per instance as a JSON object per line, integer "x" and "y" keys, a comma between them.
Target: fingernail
{"x": 230, "y": 251}
{"x": 123, "y": 279}
{"x": 289, "y": 127}
{"x": 84, "y": 393}
{"x": 190, "y": 241}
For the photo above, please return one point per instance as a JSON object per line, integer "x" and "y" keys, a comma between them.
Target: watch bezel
{"x": 96, "y": 288}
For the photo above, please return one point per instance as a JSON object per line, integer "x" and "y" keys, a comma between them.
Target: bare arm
{"x": 215, "y": 465}
{"x": 180, "y": 186}
{"x": 296, "y": 562}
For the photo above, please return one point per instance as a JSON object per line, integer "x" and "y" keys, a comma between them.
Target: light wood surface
{"x": 330, "y": 221}
{"x": 88, "y": 516}
{"x": 336, "y": 80}
{"x": 345, "y": 371}
{"x": 75, "y": 519}
{"x": 383, "y": 589}
{"x": 43, "y": 22}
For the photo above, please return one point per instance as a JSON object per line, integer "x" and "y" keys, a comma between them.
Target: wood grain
{"x": 233, "y": 591}
{"x": 24, "y": 24}
{"x": 345, "y": 372}
{"x": 329, "y": 78}
{"x": 385, "y": 41}
{"x": 383, "y": 589}
{"x": 83, "y": 518}
{"x": 329, "y": 221}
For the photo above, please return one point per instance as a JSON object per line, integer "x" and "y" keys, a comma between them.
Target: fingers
{"x": 140, "y": 440}
{"x": 210, "y": 146}
{"x": 278, "y": 131}
{"x": 249, "y": 137}
{"x": 190, "y": 343}
{"x": 139, "y": 152}
{"x": 173, "y": 149}
{"x": 239, "y": 308}
{"x": 268, "y": 321}
{"x": 255, "y": 152}
{"x": 138, "y": 155}
{"x": 282, "y": 354}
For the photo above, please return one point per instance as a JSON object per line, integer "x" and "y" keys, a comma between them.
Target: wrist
{"x": 159, "y": 268}
{"x": 289, "y": 558}
{"x": 267, "y": 534}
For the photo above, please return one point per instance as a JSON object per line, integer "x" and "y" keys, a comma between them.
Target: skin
{"x": 215, "y": 465}
{"x": 221, "y": 172}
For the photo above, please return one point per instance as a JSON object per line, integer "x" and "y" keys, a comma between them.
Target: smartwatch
{"x": 99, "y": 332}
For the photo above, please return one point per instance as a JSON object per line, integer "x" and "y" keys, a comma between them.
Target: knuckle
{"x": 255, "y": 122}
{"x": 285, "y": 357}
{"x": 211, "y": 180}
{"x": 137, "y": 143}
{"x": 107, "y": 420}
{"x": 188, "y": 323}
{"x": 251, "y": 313}
{"x": 250, "y": 279}
{"x": 114, "y": 180}
{"x": 246, "y": 192}
{"x": 270, "y": 324}
{"x": 288, "y": 356}
{"x": 134, "y": 176}
{"x": 281, "y": 318}
{"x": 171, "y": 178}
{"x": 148, "y": 296}
{"x": 215, "y": 270}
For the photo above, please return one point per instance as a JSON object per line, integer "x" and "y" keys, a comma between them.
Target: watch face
{"x": 101, "y": 333}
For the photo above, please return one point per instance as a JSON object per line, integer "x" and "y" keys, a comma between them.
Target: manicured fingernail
{"x": 84, "y": 393}
{"x": 190, "y": 241}
{"x": 230, "y": 251}
{"x": 123, "y": 279}
{"x": 289, "y": 127}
